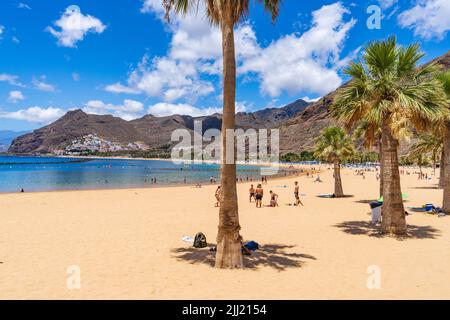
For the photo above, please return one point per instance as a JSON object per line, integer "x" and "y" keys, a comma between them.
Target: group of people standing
{"x": 257, "y": 195}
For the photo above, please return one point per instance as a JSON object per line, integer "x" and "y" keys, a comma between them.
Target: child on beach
{"x": 217, "y": 195}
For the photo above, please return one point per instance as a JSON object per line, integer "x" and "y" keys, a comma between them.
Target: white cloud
{"x": 11, "y": 79}
{"x": 119, "y": 88}
{"x": 42, "y": 85}
{"x": 195, "y": 52}
{"x": 308, "y": 99}
{"x": 15, "y": 39}
{"x": 152, "y": 6}
{"x": 2, "y": 29}
{"x": 34, "y": 114}
{"x": 293, "y": 63}
{"x": 429, "y": 19}
{"x": 16, "y": 96}
{"x": 163, "y": 109}
{"x": 22, "y": 5}
{"x": 74, "y": 26}
{"x": 308, "y": 62}
{"x": 129, "y": 110}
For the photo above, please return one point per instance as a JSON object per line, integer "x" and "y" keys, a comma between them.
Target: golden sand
{"x": 127, "y": 245}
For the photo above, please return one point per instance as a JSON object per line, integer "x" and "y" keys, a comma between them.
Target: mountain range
{"x": 151, "y": 130}
{"x": 300, "y": 124}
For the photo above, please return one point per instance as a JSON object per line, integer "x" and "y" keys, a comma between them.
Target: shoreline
{"x": 278, "y": 176}
{"x": 168, "y": 186}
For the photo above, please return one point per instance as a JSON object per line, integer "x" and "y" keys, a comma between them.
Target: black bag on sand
{"x": 200, "y": 241}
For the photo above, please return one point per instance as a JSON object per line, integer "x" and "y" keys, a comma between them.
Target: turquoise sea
{"x": 48, "y": 173}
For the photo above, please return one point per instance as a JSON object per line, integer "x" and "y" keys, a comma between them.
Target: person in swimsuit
{"x": 218, "y": 193}
{"x": 297, "y": 194}
{"x": 259, "y": 194}
{"x": 252, "y": 193}
{"x": 273, "y": 199}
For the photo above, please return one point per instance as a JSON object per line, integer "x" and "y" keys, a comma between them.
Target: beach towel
{"x": 187, "y": 239}
{"x": 327, "y": 196}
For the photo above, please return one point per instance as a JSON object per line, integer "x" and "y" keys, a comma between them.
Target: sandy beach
{"x": 128, "y": 244}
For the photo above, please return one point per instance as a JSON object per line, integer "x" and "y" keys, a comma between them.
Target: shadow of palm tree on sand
{"x": 368, "y": 229}
{"x": 274, "y": 256}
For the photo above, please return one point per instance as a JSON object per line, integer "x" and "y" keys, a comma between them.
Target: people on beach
{"x": 297, "y": 194}
{"x": 259, "y": 194}
{"x": 217, "y": 195}
{"x": 273, "y": 199}
{"x": 252, "y": 193}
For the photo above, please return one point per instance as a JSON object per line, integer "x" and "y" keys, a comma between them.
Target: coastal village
{"x": 92, "y": 144}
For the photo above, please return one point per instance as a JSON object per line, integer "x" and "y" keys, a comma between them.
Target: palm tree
{"x": 370, "y": 134}
{"x": 388, "y": 87}
{"x": 427, "y": 144}
{"x": 444, "y": 79}
{"x": 335, "y": 146}
{"x": 226, "y": 15}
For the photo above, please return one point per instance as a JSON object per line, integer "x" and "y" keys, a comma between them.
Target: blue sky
{"x": 121, "y": 57}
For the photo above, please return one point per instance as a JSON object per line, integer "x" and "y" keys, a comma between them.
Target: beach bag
{"x": 251, "y": 245}
{"x": 200, "y": 240}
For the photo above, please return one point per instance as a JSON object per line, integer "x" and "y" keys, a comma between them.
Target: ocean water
{"x": 46, "y": 174}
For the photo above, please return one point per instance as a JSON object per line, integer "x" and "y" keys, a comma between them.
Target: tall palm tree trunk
{"x": 446, "y": 179}
{"x": 338, "y": 190}
{"x": 381, "y": 165}
{"x": 393, "y": 211}
{"x": 229, "y": 254}
{"x": 442, "y": 170}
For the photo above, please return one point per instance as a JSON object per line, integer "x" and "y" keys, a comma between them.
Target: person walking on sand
{"x": 259, "y": 194}
{"x": 298, "y": 202}
{"x": 252, "y": 193}
{"x": 217, "y": 195}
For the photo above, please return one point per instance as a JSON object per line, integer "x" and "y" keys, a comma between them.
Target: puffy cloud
{"x": 195, "y": 51}
{"x": 308, "y": 62}
{"x": 2, "y": 29}
{"x": 152, "y": 6}
{"x": 15, "y": 96}
{"x": 119, "y": 88}
{"x": 429, "y": 19}
{"x": 42, "y": 85}
{"x": 195, "y": 54}
{"x": 166, "y": 109}
{"x": 74, "y": 26}
{"x": 129, "y": 110}
{"x": 34, "y": 114}
{"x": 11, "y": 79}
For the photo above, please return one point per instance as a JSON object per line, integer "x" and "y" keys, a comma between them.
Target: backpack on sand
{"x": 200, "y": 241}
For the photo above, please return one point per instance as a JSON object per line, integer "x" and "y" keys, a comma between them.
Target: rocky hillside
{"x": 301, "y": 132}
{"x": 152, "y": 131}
